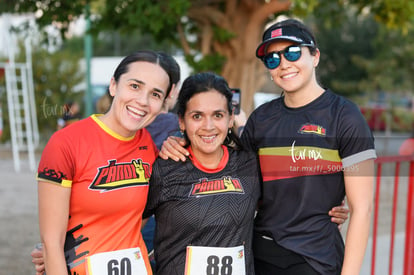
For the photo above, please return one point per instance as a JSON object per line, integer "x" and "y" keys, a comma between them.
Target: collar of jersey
{"x": 108, "y": 130}
{"x": 222, "y": 164}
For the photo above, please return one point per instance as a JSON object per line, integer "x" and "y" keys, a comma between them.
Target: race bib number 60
{"x": 119, "y": 262}
{"x": 202, "y": 260}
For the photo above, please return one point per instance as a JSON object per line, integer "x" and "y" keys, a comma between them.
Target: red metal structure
{"x": 409, "y": 228}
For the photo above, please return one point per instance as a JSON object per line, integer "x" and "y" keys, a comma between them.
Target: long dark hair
{"x": 204, "y": 82}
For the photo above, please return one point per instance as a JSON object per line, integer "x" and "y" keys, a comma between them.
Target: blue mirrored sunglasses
{"x": 291, "y": 53}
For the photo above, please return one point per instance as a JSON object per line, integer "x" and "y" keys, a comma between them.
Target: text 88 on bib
{"x": 202, "y": 260}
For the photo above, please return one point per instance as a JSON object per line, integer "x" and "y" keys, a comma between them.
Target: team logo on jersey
{"x": 120, "y": 175}
{"x": 215, "y": 186}
{"x": 312, "y": 129}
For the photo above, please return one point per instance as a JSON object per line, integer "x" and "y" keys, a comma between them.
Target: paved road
{"x": 18, "y": 216}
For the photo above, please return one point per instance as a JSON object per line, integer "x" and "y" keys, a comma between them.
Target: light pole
{"x": 88, "y": 56}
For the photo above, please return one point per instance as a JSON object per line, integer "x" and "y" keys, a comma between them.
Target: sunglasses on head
{"x": 291, "y": 53}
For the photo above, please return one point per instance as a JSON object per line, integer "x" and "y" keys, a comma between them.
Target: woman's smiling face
{"x": 139, "y": 95}
{"x": 294, "y": 76}
{"x": 206, "y": 122}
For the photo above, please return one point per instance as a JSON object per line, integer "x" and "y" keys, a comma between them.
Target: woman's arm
{"x": 53, "y": 222}
{"x": 359, "y": 187}
{"x": 173, "y": 148}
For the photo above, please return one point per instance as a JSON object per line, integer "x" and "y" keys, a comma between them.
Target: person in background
{"x": 166, "y": 123}
{"x": 104, "y": 102}
{"x": 93, "y": 176}
{"x": 71, "y": 114}
{"x": 312, "y": 146}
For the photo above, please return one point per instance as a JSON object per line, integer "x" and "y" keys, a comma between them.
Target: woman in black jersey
{"x": 325, "y": 150}
{"x": 204, "y": 207}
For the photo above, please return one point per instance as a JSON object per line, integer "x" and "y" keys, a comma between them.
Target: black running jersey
{"x": 303, "y": 152}
{"x": 199, "y": 208}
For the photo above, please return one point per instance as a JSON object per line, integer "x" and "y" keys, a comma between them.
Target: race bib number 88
{"x": 202, "y": 260}
{"x": 119, "y": 262}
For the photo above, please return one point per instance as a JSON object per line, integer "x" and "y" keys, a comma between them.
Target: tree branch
{"x": 183, "y": 39}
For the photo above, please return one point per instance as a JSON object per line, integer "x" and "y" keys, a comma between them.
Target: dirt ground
{"x": 18, "y": 216}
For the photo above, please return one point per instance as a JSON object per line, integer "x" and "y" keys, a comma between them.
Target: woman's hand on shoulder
{"x": 173, "y": 148}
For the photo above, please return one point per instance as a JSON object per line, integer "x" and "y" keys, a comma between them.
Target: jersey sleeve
{"x": 356, "y": 142}
{"x": 56, "y": 164}
{"x": 154, "y": 193}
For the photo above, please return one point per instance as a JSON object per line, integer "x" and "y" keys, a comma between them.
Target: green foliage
{"x": 156, "y": 17}
{"x": 112, "y": 43}
{"x": 330, "y": 13}
{"x": 403, "y": 120}
{"x": 391, "y": 67}
{"x": 4, "y": 112}
{"x": 340, "y": 48}
{"x": 222, "y": 35}
{"x": 211, "y": 62}
{"x": 7, "y": 6}
{"x": 395, "y": 14}
{"x": 359, "y": 56}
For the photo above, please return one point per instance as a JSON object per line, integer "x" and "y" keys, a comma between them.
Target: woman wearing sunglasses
{"x": 323, "y": 149}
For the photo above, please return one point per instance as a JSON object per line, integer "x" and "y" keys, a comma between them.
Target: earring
{"x": 229, "y": 131}
{"x": 271, "y": 78}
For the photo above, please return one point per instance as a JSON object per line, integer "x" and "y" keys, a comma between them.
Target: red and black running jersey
{"x": 108, "y": 176}
{"x": 302, "y": 153}
{"x": 200, "y": 207}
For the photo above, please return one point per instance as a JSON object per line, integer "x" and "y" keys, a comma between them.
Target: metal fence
{"x": 389, "y": 171}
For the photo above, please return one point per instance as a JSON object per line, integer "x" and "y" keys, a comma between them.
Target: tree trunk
{"x": 246, "y": 20}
